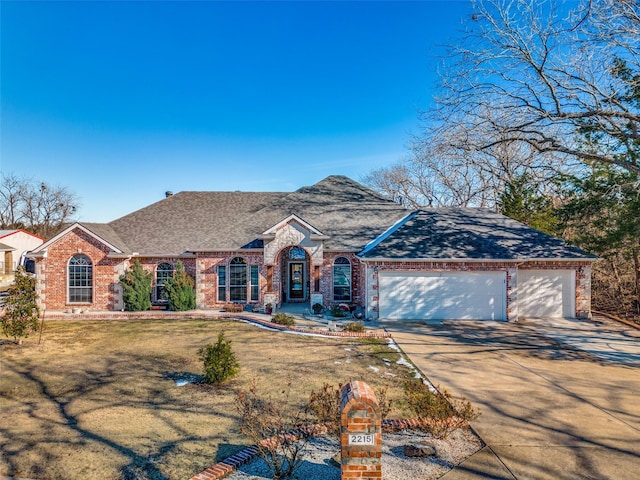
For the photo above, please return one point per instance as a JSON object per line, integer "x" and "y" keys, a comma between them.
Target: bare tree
{"x": 441, "y": 171}
{"x": 546, "y": 74}
{"x": 11, "y": 188}
{"x": 35, "y": 206}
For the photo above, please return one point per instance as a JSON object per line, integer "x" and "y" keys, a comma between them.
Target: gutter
{"x": 474, "y": 260}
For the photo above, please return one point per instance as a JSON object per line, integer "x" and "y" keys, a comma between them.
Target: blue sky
{"x": 122, "y": 101}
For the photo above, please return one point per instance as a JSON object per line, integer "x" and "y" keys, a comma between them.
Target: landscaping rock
{"x": 421, "y": 451}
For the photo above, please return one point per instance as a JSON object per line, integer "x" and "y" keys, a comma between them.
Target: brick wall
{"x": 52, "y": 272}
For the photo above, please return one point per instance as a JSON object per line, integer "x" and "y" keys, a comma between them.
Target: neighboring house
{"x": 333, "y": 242}
{"x": 13, "y": 245}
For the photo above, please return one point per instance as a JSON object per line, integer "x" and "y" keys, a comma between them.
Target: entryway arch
{"x": 295, "y": 274}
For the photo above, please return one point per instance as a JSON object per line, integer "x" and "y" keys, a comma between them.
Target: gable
{"x": 42, "y": 249}
{"x": 293, "y": 231}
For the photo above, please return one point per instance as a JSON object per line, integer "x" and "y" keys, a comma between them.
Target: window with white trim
{"x": 80, "y": 279}
{"x": 238, "y": 280}
{"x": 163, "y": 273}
{"x": 222, "y": 283}
{"x": 255, "y": 283}
{"x": 342, "y": 280}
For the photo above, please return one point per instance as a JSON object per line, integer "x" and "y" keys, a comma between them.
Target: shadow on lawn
{"x": 93, "y": 390}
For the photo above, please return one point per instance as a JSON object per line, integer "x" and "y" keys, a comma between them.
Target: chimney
{"x": 168, "y": 194}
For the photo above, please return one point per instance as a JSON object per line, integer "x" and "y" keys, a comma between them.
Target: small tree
{"x": 136, "y": 288}
{"x": 180, "y": 290}
{"x": 21, "y": 308}
{"x": 220, "y": 363}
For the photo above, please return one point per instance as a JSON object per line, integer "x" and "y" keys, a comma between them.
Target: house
{"x": 330, "y": 243}
{"x": 14, "y": 244}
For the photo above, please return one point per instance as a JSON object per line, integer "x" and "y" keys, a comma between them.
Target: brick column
{"x": 360, "y": 433}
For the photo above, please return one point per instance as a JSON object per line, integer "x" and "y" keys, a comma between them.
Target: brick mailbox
{"x": 360, "y": 433}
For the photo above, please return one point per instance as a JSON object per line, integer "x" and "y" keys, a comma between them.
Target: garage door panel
{"x": 439, "y": 296}
{"x": 546, "y": 293}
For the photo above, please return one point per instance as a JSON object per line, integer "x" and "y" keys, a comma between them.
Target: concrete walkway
{"x": 559, "y": 400}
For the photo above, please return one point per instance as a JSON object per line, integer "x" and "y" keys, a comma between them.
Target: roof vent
{"x": 168, "y": 194}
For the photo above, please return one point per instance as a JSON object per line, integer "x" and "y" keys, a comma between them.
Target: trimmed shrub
{"x": 21, "y": 308}
{"x": 317, "y": 308}
{"x": 220, "y": 363}
{"x": 136, "y": 288}
{"x": 283, "y": 319}
{"x": 180, "y": 290}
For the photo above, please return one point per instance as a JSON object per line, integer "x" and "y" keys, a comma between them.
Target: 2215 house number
{"x": 361, "y": 439}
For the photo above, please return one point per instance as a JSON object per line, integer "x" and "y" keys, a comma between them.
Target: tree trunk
{"x": 636, "y": 263}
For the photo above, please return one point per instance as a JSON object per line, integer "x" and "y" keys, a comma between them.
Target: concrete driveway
{"x": 559, "y": 399}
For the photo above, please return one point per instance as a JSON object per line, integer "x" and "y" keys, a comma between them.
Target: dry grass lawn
{"x": 98, "y": 399}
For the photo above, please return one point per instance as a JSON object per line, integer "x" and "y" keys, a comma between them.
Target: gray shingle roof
{"x": 469, "y": 234}
{"x": 105, "y": 232}
{"x": 351, "y": 214}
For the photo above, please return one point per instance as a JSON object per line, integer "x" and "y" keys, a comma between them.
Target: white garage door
{"x": 442, "y": 295}
{"x": 546, "y": 293}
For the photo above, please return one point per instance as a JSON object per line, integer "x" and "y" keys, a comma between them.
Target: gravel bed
{"x": 319, "y": 452}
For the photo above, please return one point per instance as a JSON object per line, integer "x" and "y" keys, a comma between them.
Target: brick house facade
{"x": 334, "y": 242}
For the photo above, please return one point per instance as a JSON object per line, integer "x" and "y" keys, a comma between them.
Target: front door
{"x": 296, "y": 281}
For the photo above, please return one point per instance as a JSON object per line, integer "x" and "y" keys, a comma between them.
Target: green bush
{"x": 220, "y": 363}
{"x": 356, "y": 327}
{"x": 21, "y": 308}
{"x": 336, "y": 311}
{"x": 136, "y": 288}
{"x": 439, "y": 413}
{"x": 180, "y": 290}
{"x": 283, "y": 319}
{"x": 317, "y": 308}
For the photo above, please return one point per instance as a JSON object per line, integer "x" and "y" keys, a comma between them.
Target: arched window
{"x": 163, "y": 273}
{"x": 297, "y": 253}
{"x": 80, "y": 279}
{"x": 238, "y": 280}
{"x": 342, "y": 280}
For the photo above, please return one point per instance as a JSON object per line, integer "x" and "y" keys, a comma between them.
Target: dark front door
{"x": 296, "y": 281}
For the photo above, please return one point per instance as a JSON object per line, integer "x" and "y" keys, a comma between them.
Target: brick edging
{"x": 228, "y": 465}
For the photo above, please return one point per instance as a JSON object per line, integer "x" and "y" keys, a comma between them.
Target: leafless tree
{"x": 441, "y": 171}
{"x": 547, "y": 74}
{"x": 11, "y": 188}
{"x": 35, "y": 206}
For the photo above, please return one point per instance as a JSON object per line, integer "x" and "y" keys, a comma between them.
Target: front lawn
{"x": 99, "y": 399}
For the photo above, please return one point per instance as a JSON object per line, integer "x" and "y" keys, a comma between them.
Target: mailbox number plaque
{"x": 361, "y": 439}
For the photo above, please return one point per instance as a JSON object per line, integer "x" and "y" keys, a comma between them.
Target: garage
{"x": 546, "y": 293}
{"x": 442, "y": 295}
